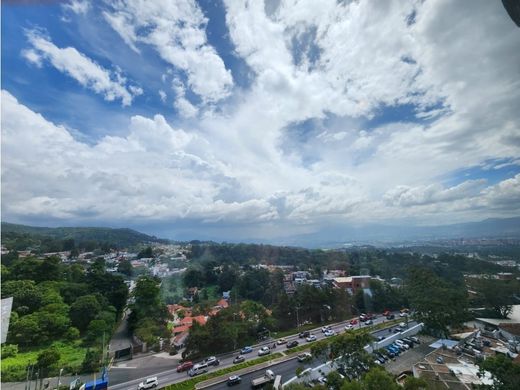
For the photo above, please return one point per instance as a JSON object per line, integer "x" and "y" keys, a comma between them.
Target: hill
{"x": 118, "y": 237}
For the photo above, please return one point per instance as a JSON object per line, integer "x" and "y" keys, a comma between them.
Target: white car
{"x": 403, "y": 314}
{"x": 329, "y": 333}
{"x": 304, "y": 357}
{"x": 325, "y": 328}
{"x": 349, "y": 327}
{"x": 212, "y": 361}
{"x": 402, "y": 344}
{"x": 149, "y": 383}
{"x": 264, "y": 351}
{"x": 311, "y": 338}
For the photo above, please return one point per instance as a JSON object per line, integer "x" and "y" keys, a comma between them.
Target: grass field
{"x": 72, "y": 355}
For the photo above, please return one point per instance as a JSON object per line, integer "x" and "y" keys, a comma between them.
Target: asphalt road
{"x": 130, "y": 376}
{"x": 288, "y": 369}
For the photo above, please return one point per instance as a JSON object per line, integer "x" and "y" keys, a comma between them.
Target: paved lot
{"x": 408, "y": 358}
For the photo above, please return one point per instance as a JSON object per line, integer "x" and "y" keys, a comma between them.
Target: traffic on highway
{"x": 186, "y": 370}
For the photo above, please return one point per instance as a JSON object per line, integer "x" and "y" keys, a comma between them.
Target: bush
{"x": 72, "y": 334}
{"x": 92, "y": 361}
{"x": 9, "y": 350}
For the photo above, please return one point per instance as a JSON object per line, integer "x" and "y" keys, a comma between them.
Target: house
{"x": 352, "y": 283}
{"x": 223, "y": 304}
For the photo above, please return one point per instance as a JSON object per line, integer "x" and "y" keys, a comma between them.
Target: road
{"x": 288, "y": 369}
{"x": 128, "y": 378}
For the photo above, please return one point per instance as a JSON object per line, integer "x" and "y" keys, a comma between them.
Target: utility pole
{"x": 297, "y": 316}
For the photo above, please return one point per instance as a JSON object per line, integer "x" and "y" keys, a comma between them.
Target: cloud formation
{"x": 112, "y": 85}
{"x": 353, "y": 112}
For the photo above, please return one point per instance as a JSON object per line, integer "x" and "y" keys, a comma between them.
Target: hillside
{"x": 118, "y": 237}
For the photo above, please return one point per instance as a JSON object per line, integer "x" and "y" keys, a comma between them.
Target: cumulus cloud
{"x": 112, "y": 85}
{"x": 80, "y": 7}
{"x": 335, "y": 65}
{"x": 176, "y": 30}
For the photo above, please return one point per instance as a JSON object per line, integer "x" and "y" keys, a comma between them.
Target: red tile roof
{"x": 223, "y": 303}
{"x": 180, "y": 329}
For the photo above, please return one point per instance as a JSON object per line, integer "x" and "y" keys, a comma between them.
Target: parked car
{"x": 378, "y": 359}
{"x": 234, "y": 380}
{"x": 415, "y": 340}
{"x": 212, "y": 361}
{"x": 264, "y": 351}
{"x": 292, "y": 344}
{"x": 311, "y": 338}
{"x": 304, "y": 357}
{"x": 239, "y": 359}
{"x": 302, "y": 335}
{"x": 402, "y": 344}
{"x": 185, "y": 366}
{"x": 281, "y": 341}
{"x": 246, "y": 350}
{"x": 149, "y": 383}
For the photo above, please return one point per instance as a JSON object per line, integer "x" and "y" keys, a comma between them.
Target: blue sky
{"x": 258, "y": 120}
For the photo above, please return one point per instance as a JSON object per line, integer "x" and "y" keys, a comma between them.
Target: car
{"x": 311, "y": 338}
{"x": 349, "y": 327}
{"x": 363, "y": 317}
{"x": 239, "y": 359}
{"x": 381, "y": 355}
{"x": 212, "y": 361}
{"x": 398, "y": 329}
{"x": 281, "y": 341}
{"x": 439, "y": 359}
{"x": 415, "y": 340}
{"x": 246, "y": 350}
{"x": 402, "y": 344}
{"x": 197, "y": 369}
{"x": 380, "y": 338}
{"x": 390, "y": 317}
{"x": 402, "y": 324}
{"x": 149, "y": 383}
{"x": 264, "y": 351}
{"x": 234, "y": 380}
{"x": 185, "y": 366}
{"x": 329, "y": 333}
{"x": 390, "y": 352}
{"x": 326, "y": 328}
{"x": 353, "y": 322}
{"x": 386, "y": 313}
{"x": 292, "y": 344}
{"x": 369, "y": 322}
{"x": 302, "y": 335}
{"x": 304, "y": 357}
{"x": 403, "y": 314}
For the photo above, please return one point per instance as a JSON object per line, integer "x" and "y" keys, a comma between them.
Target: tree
{"x": 47, "y": 360}
{"x": 413, "y": 383}
{"x": 84, "y": 310}
{"x": 26, "y": 296}
{"x": 377, "y": 379}
{"x": 193, "y": 277}
{"x": 498, "y": 295}
{"x": 227, "y": 278}
{"x": 506, "y": 374}
{"x": 334, "y": 380}
{"x": 436, "y": 303}
{"x": 96, "y": 330}
{"x": 92, "y": 361}
{"x": 145, "y": 253}
{"x": 26, "y": 330}
{"x": 125, "y": 267}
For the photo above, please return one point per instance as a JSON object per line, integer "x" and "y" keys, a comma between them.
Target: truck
{"x": 268, "y": 377}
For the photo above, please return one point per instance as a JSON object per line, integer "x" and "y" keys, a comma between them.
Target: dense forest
{"x": 21, "y": 237}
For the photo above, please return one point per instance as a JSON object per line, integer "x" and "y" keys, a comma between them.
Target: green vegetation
{"x": 190, "y": 383}
{"x": 71, "y": 357}
{"x": 58, "y": 308}
{"x": 506, "y": 374}
{"x": 44, "y": 239}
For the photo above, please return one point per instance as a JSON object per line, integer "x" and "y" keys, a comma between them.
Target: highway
{"x": 288, "y": 369}
{"x": 124, "y": 378}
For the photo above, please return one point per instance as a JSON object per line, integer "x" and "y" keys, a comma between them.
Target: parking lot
{"x": 407, "y": 359}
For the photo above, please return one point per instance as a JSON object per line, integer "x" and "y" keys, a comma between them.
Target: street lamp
{"x": 59, "y": 378}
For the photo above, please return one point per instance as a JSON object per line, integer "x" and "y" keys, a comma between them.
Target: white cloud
{"x": 334, "y": 63}
{"x": 112, "y": 85}
{"x": 162, "y": 95}
{"x": 176, "y": 30}
{"x": 77, "y": 6}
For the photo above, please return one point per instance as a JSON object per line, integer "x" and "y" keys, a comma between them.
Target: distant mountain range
{"x": 337, "y": 236}
{"x": 119, "y": 237}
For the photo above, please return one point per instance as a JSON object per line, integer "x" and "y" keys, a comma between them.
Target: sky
{"x": 259, "y": 120}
